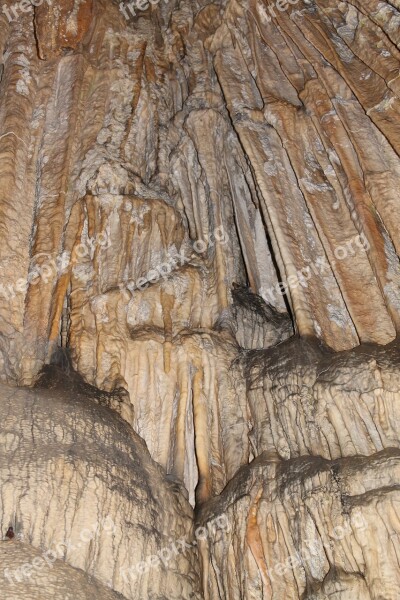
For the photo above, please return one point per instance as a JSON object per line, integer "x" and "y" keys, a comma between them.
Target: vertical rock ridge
{"x": 199, "y": 208}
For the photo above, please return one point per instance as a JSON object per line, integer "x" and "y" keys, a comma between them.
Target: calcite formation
{"x": 200, "y": 299}
{"x": 308, "y": 528}
{"x": 83, "y": 488}
{"x": 52, "y": 580}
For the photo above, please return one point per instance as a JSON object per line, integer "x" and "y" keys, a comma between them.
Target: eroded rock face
{"x": 308, "y": 528}
{"x": 277, "y": 127}
{"x": 199, "y": 207}
{"x": 305, "y": 399}
{"x": 79, "y": 485}
{"x": 46, "y": 580}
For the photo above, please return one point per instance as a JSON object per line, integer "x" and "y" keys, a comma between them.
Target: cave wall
{"x": 200, "y": 209}
{"x": 276, "y": 133}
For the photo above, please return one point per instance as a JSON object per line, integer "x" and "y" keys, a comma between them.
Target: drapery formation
{"x": 199, "y": 206}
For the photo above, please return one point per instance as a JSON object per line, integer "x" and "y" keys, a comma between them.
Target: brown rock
{"x": 199, "y": 225}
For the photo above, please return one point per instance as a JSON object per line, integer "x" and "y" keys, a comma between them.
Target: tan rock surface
{"x": 53, "y": 579}
{"x": 78, "y": 482}
{"x": 300, "y": 169}
{"x": 305, "y": 399}
{"x": 199, "y": 216}
{"x": 307, "y": 528}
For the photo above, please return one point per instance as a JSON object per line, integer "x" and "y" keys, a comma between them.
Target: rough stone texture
{"x": 308, "y": 528}
{"x": 70, "y": 467}
{"x": 305, "y": 399}
{"x": 53, "y": 580}
{"x": 199, "y": 217}
{"x": 280, "y": 130}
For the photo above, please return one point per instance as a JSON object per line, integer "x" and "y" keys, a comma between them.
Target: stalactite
{"x": 199, "y": 298}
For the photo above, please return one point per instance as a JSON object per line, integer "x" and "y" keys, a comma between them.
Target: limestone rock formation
{"x": 81, "y": 487}
{"x": 308, "y": 528}
{"x": 200, "y": 299}
{"x": 53, "y": 579}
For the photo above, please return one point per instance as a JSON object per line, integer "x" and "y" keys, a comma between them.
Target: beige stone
{"x": 199, "y": 272}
